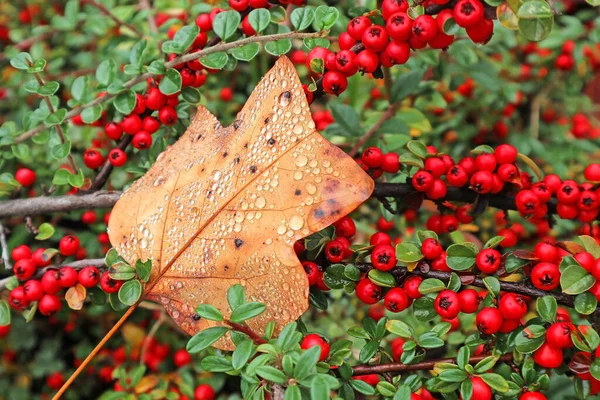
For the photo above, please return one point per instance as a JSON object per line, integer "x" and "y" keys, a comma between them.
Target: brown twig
{"x": 422, "y": 366}
{"x": 161, "y": 319}
{"x": 209, "y": 49}
{"x": 245, "y": 329}
{"x": 25, "y": 44}
{"x": 4, "y": 246}
{"x": 110, "y": 15}
{"x": 145, "y": 5}
{"x": 389, "y": 113}
{"x": 59, "y": 129}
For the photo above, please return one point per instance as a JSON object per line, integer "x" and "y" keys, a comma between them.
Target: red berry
{"x": 150, "y": 124}
{"x": 131, "y": 124}
{"x": 25, "y": 177}
{"x": 55, "y": 380}
{"x": 67, "y": 277}
{"x": 154, "y": 99}
{"x": 486, "y": 162}
{"x": 481, "y": 390}
{"x": 391, "y": 7}
{"x": 312, "y": 340}
{"x": 390, "y": 163}
{"x": 482, "y": 182}
{"x": 357, "y": 27}
{"x": 431, "y": 249}
{"x": 545, "y": 276}
{"x": 108, "y": 284}
{"x": 167, "y": 115}
{"x": 424, "y": 27}
{"x": 17, "y": 298}
{"x": 469, "y": 300}
{"x": 447, "y": 304}
{"x": 204, "y": 392}
{"x": 396, "y": 300}
{"x": 559, "y": 335}
{"x": 438, "y": 190}
{"x": 345, "y": 62}
{"x": 312, "y": 272}
{"x": 367, "y": 61}
{"x": 411, "y": 287}
{"x": 506, "y": 154}
{"x": 345, "y": 227}
{"x": 527, "y": 202}
{"x": 20, "y": 252}
{"x": 489, "y": 320}
{"x": 93, "y": 159}
{"x": 50, "y": 282}
{"x": 345, "y": 41}
{"x": 142, "y": 140}
{"x": 448, "y": 223}
{"x": 334, "y": 82}
{"x": 24, "y": 269}
{"x": 117, "y": 157}
{"x": 488, "y": 261}
{"x": 510, "y": 237}
{"x": 512, "y": 306}
{"x": 380, "y": 238}
{"x": 592, "y": 172}
{"x": 204, "y": 22}
{"x": 468, "y": 13}
{"x": 88, "y": 276}
{"x": 335, "y": 251}
{"x": 368, "y": 292}
{"x": 372, "y": 157}
{"x": 375, "y": 38}
{"x": 68, "y": 245}
{"x": 383, "y": 257}
{"x": 113, "y": 130}
{"x": 399, "y": 27}
{"x": 33, "y": 290}
{"x": 181, "y": 358}
{"x": 49, "y": 304}
{"x": 568, "y": 192}
{"x": 422, "y": 181}
{"x": 548, "y": 357}
{"x": 457, "y": 176}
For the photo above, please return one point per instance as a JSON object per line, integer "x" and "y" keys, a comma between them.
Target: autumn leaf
{"x": 224, "y": 206}
{"x": 75, "y": 297}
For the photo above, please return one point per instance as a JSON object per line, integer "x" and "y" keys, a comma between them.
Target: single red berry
{"x": 532, "y": 396}
{"x": 391, "y": 162}
{"x": 49, "y": 305}
{"x": 391, "y": 7}
{"x": 424, "y": 27}
{"x": 468, "y": 13}
{"x": 367, "y": 61}
{"x": 457, "y": 176}
{"x": 481, "y": 390}
{"x": 334, "y": 82}
{"x": 372, "y": 157}
{"x": 89, "y": 276}
{"x": 181, "y": 358}
{"x": 486, "y": 162}
{"x": 108, "y": 284}
{"x": 50, "y": 282}
{"x": 488, "y": 261}
{"x": 140, "y": 105}
{"x": 512, "y": 306}
{"x": 93, "y": 159}
{"x": 527, "y": 202}
{"x": 25, "y": 177}
{"x": 312, "y": 340}
{"x": 312, "y": 272}
{"x": 469, "y": 300}
{"x": 21, "y": 252}
{"x": 17, "y": 298}
{"x": 383, "y": 257}
{"x": 33, "y": 290}
{"x": 559, "y": 335}
{"x": 399, "y": 26}
{"x": 357, "y": 27}
{"x": 422, "y": 181}
{"x": 167, "y": 115}
{"x": 335, "y": 251}
{"x": 592, "y": 172}
{"x": 68, "y": 245}
{"x": 375, "y": 38}
{"x": 368, "y": 292}
{"x": 238, "y": 5}
{"x": 384, "y": 225}
{"x": 438, "y": 190}
{"x": 411, "y": 287}
{"x": 441, "y": 264}
{"x": 462, "y": 214}
{"x": 154, "y": 99}
{"x": 489, "y": 320}
{"x": 131, "y": 124}
{"x": 150, "y": 124}
{"x": 396, "y": 300}
{"x": 345, "y": 227}
{"x": 436, "y": 166}
{"x": 510, "y": 237}
{"x": 431, "y": 249}
{"x": 546, "y": 252}
{"x": 447, "y": 304}
{"x": 113, "y": 130}
{"x": 345, "y": 41}
{"x": 345, "y": 62}
{"x": 204, "y": 22}
{"x": 448, "y": 223}
{"x": 506, "y": 154}
{"x": 482, "y": 182}
{"x": 142, "y": 140}
{"x": 545, "y": 276}
{"x": 568, "y": 192}
{"x": 548, "y": 357}
{"x": 380, "y": 238}
{"x": 67, "y": 277}
{"x": 24, "y": 269}
{"x": 586, "y": 260}
{"x": 204, "y": 392}
{"x": 117, "y": 157}
{"x": 55, "y": 380}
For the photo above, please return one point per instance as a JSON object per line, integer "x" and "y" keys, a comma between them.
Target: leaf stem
{"x": 245, "y": 329}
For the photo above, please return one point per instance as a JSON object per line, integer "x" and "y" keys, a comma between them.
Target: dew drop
{"x": 281, "y": 229}
{"x": 296, "y": 222}
{"x": 310, "y": 188}
{"x": 144, "y": 243}
{"x": 260, "y": 202}
{"x": 298, "y": 129}
{"x": 301, "y": 161}
{"x": 285, "y": 98}
{"x": 298, "y": 175}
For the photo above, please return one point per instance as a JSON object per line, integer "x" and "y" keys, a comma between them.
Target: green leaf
{"x": 411, "y": 159}
{"x": 408, "y": 252}
{"x": 246, "y": 52}
{"x": 325, "y": 18}
{"x": 495, "y": 381}
{"x": 585, "y": 338}
{"x": 209, "y": 312}
{"x": 185, "y": 36}
{"x": 404, "y": 393}
{"x": 77, "y": 180}
{"x": 302, "y": 17}
{"x": 56, "y": 117}
{"x": 493, "y": 242}
{"x": 236, "y": 296}
{"x": 414, "y": 119}
{"x": 381, "y": 278}
{"x": 136, "y": 55}
{"x": 406, "y": 85}
{"x": 216, "y": 364}
{"x": 278, "y": 47}
{"x": 530, "y": 338}
{"x": 259, "y": 19}
{"x": 31, "y": 86}
{"x": 453, "y": 375}
{"x": 430, "y": 341}
{"x": 130, "y": 292}
{"x": 460, "y": 257}
{"x": 61, "y": 150}
{"x": 306, "y": 363}
{"x": 423, "y": 309}
{"x": 225, "y": 24}
{"x": 590, "y": 245}
{"x": 91, "y": 114}
{"x": 105, "y": 73}
{"x": 292, "y": 392}
{"x": 466, "y": 389}
{"x": 361, "y": 387}
{"x": 190, "y": 95}
{"x": 79, "y": 87}
{"x": 215, "y": 60}
{"x": 143, "y": 270}
{"x": 170, "y": 82}
{"x": 574, "y": 280}
{"x": 271, "y": 374}
{"x": 512, "y": 263}
{"x": 546, "y": 307}
{"x": 535, "y": 20}
{"x": 125, "y": 101}
{"x": 586, "y": 303}
{"x": 431, "y": 285}
{"x": 37, "y": 66}
{"x": 492, "y": 284}
{"x": 48, "y": 89}
{"x": 45, "y": 231}
{"x": 21, "y": 61}
{"x": 386, "y": 389}
{"x": 462, "y": 359}
{"x": 157, "y": 67}
{"x": 417, "y": 148}
{"x": 595, "y": 368}
{"x": 242, "y": 354}
{"x": 4, "y": 313}
{"x": 121, "y": 271}
{"x": 486, "y": 364}
{"x": 247, "y": 311}
{"x": 347, "y": 118}
{"x": 399, "y": 328}
{"x": 205, "y": 338}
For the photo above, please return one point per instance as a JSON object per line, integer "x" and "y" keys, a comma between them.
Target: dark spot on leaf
{"x": 267, "y": 120}
{"x": 225, "y": 154}
{"x": 298, "y": 192}
{"x": 238, "y": 243}
{"x": 236, "y": 160}
{"x": 196, "y": 317}
{"x": 319, "y": 213}
{"x": 253, "y": 169}
{"x": 271, "y": 141}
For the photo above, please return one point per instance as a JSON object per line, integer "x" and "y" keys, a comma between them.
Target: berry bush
{"x": 471, "y": 272}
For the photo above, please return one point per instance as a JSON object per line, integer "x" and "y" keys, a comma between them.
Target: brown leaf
{"x": 225, "y": 205}
{"x": 524, "y": 255}
{"x": 147, "y": 383}
{"x": 580, "y": 362}
{"x": 571, "y": 247}
{"x": 75, "y": 297}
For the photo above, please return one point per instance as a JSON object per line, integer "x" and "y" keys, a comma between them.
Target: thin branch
{"x": 95, "y": 262}
{"x": 4, "y": 246}
{"x": 179, "y": 60}
{"x": 161, "y": 320}
{"x": 389, "y": 113}
{"x": 27, "y": 43}
{"x": 116, "y": 20}
{"x": 422, "y": 366}
{"x": 245, "y": 329}
{"x": 59, "y": 129}
{"x": 536, "y": 104}
{"x": 145, "y": 5}
{"x": 43, "y": 204}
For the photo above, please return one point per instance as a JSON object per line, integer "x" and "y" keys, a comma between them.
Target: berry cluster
{"x": 365, "y": 46}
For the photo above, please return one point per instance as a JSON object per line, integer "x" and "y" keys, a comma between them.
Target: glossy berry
{"x": 457, "y": 176}
{"x": 396, "y": 300}
{"x": 334, "y": 251}
{"x": 431, "y": 249}
{"x": 88, "y": 276}
{"x": 142, "y": 140}
{"x": 411, "y": 287}
{"x": 548, "y": 357}
{"x": 482, "y": 182}
{"x": 469, "y": 301}
{"x": 50, "y": 282}
{"x": 532, "y": 396}
{"x": 468, "y": 13}
{"x": 113, "y": 130}
{"x": 505, "y": 154}
{"x": 424, "y": 27}
{"x": 131, "y": 124}
{"x": 559, "y": 335}
{"x": 49, "y": 305}
{"x": 375, "y": 38}
{"x": 67, "y": 277}
{"x": 357, "y": 27}
{"x": 93, "y": 159}
{"x": 380, "y": 238}
{"x": 447, "y": 304}
{"x": 383, "y": 257}
{"x": 592, "y": 172}
{"x": 345, "y": 227}
{"x": 334, "y": 82}
{"x": 390, "y": 163}
{"x": 33, "y": 290}
{"x": 488, "y": 261}
{"x": 312, "y": 271}
{"x": 545, "y": 276}
{"x": 481, "y": 390}
{"x": 24, "y": 269}
{"x": 489, "y": 320}
{"x": 204, "y": 392}
{"x": 154, "y": 99}
{"x": 108, "y": 284}
{"x": 438, "y": 190}
{"x": 21, "y": 252}
{"x": 167, "y": 115}
{"x": 368, "y": 292}
{"x": 181, "y": 358}
{"x": 68, "y": 245}
{"x": 312, "y": 340}
{"x": 117, "y": 157}
{"x": 150, "y": 124}
{"x": 25, "y": 177}
{"x": 512, "y": 306}
{"x": 372, "y": 157}
{"x": 399, "y": 26}
{"x": 422, "y": 181}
